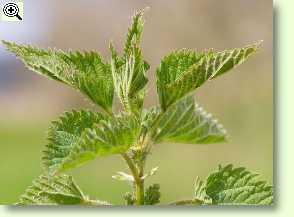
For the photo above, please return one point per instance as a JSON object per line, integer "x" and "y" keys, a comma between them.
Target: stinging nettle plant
{"x": 80, "y": 136}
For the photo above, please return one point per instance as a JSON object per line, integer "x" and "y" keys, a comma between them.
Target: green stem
{"x": 140, "y": 186}
{"x": 140, "y": 193}
{"x": 131, "y": 166}
{"x": 137, "y": 173}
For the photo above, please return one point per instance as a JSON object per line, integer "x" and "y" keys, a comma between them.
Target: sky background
{"x": 241, "y": 99}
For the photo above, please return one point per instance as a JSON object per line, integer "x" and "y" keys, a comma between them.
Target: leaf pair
{"x": 80, "y": 136}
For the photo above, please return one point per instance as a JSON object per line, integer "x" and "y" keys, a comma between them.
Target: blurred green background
{"x": 241, "y": 100}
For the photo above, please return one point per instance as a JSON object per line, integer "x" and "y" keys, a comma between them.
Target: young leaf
{"x": 83, "y": 71}
{"x": 112, "y": 136}
{"x": 152, "y": 195}
{"x": 59, "y": 190}
{"x": 122, "y": 176}
{"x": 65, "y": 133}
{"x": 129, "y": 198}
{"x": 129, "y": 71}
{"x": 186, "y": 122}
{"x": 238, "y": 186}
{"x": 183, "y": 71}
{"x": 134, "y": 32}
{"x": 150, "y": 173}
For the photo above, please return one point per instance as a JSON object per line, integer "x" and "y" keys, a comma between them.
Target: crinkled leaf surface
{"x": 129, "y": 71}
{"x": 65, "y": 133}
{"x": 58, "y": 190}
{"x": 112, "y": 136}
{"x": 152, "y": 195}
{"x": 84, "y": 71}
{"x": 200, "y": 192}
{"x": 237, "y": 186}
{"x": 183, "y": 71}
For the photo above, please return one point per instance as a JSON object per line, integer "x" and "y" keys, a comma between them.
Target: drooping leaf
{"x": 83, "y": 71}
{"x": 58, "y": 190}
{"x": 112, "y": 136}
{"x": 65, "y": 133}
{"x": 183, "y": 71}
{"x": 186, "y": 122}
{"x": 129, "y": 71}
{"x": 152, "y": 195}
{"x": 237, "y": 186}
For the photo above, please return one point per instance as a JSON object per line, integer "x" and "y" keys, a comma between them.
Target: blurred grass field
{"x": 242, "y": 100}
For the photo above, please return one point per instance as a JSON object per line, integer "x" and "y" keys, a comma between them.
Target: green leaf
{"x": 152, "y": 195}
{"x": 171, "y": 67}
{"x": 112, "y": 136}
{"x": 186, "y": 122}
{"x": 183, "y": 71}
{"x": 65, "y": 133}
{"x": 134, "y": 32}
{"x": 83, "y": 71}
{"x": 238, "y": 186}
{"x": 58, "y": 190}
{"x": 129, "y": 198}
{"x": 200, "y": 192}
{"x": 129, "y": 71}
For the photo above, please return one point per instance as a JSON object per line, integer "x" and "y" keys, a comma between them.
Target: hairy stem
{"x": 140, "y": 193}
{"x": 137, "y": 173}
{"x": 140, "y": 188}
{"x": 131, "y": 166}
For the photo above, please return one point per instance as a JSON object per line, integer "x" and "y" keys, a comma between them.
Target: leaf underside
{"x": 186, "y": 122}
